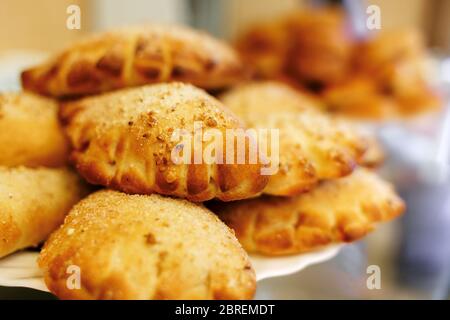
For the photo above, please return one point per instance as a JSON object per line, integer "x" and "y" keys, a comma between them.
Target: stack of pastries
{"x": 380, "y": 76}
{"x": 110, "y": 106}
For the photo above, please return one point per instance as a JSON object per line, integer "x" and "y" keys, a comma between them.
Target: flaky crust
{"x": 30, "y": 133}
{"x": 123, "y": 140}
{"x": 341, "y": 210}
{"x": 135, "y": 56}
{"x": 313, "y": 146}
{"x": 146, "y": 247}
{"x": 33, "y": 203}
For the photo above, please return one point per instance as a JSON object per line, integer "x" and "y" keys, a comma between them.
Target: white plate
{"x": 20, "y": 269}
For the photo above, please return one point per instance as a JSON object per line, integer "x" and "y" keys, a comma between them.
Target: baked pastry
{"x": 359, "y": 97}
{"x": 30, "y": 133}
{"x": 33, "y": 203}
{"x": 264, "y": 48}
{"x": 321, "y": 46}
{"x": 374, "y": 155}
{"x": 146, "y": 247}
{"x": 135, "y": 56}
{"x": 397, "y": 62}
{"x": 126, "y": 140}
{"x": 312, "y": 145}
{"x": 340, "y": 210}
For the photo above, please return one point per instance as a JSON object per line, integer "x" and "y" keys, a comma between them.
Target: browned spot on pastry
{"x": 82, "y": 73}
{"x": 150, "y": 73}
{"x": 339, "y": 210}
{"x": 163, "y": 183}
{"x": 150, "y": 238}
{"x": 179, "y": 71}
{"x": 198, "y": 179}
{"x": 111, "y": 63}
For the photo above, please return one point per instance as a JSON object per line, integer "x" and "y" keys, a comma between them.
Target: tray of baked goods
{"x": 145, "y": 163}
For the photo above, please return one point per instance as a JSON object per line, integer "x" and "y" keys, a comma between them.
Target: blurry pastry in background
{"x": 262, "y": 98}
{"x": 312, "y": 145}
{"x": 321, "y": 46}
{"x": 126, "y": 140}
{"x": 134, "y": 56}
{"x": 359, "y": 98}
{"x": 30, "y": 133}
{"x": 264, "y": 49}
{"x": 381, "y": 77}
{"x": 33, "y": 203}
{"x": 341, "y": 210}
{"x": 397, "y": 62}
{"x": 146, "y": 247}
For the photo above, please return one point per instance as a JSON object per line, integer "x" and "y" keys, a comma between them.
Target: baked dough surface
{"x": 134, "y": 56}
{"x": 312, "y": 145}
{"x": 33, "y": 203}
{"x": 146, "y": 247}
{"x": 124, "y": 140}
{"x": 341, "y": 210}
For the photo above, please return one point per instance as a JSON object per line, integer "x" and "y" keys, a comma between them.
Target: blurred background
{"x": 41, "y": 26}
{"x": 413, "y": 252}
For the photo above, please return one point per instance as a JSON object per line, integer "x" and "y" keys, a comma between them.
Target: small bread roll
{"x": 33, "y": 203}
{"x": 341, "y": 210}
{"x": 125, "y": 140}
{"x": 312, "y": 145}
{"x": 30, "y": 133}
{"x": 145, "y": 247}
{"x": 136, "y": 56}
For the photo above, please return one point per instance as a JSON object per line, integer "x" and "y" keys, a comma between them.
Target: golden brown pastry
{"x": 135, "y": 56}
{"x": 264, "y": 49}
{"x": 321, "y": 46}
{"x": 30, "y": 133}
{"x": 146, "y": 247}
{"x": 396, "y": 60}
{"x": 309, "y": 46}
{"x": 360, "y": 98}
{"x": 340, "y": 210}
{"x": 33, "y": 203}
{"x": 312, "y": 145}
{"x": 125, "y": 140}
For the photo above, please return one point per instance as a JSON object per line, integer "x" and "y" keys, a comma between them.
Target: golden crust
{"x": 135, "y": 56}
{"x": 264, "y": 49}
{"x": 321, "y": 46}
{"x": 33, "y": 203}
{"x": 397, "y": 62}
{"x": 312, "y": 145}
{"x": 123, "y": 140}
{"x": 341, "y": 210}
{"x": 146, "y": 247}
{"x": 30, "y": 133}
